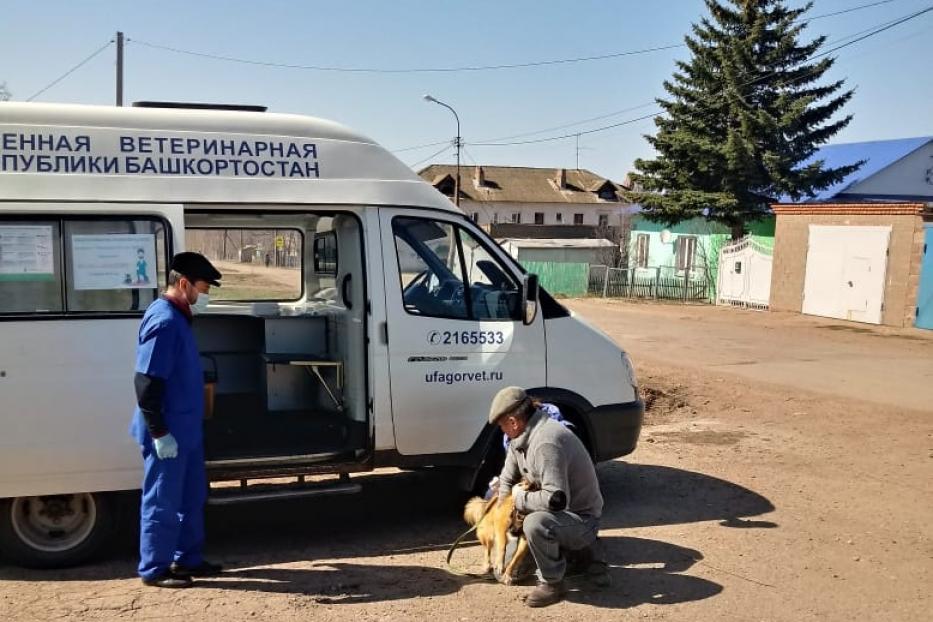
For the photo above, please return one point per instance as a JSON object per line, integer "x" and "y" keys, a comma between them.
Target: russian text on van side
{"x": 59, "y": 153}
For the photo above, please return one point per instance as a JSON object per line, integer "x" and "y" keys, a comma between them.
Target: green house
{"x": 688, "y": 250}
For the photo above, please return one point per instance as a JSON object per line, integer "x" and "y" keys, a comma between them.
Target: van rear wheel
{"x": 54, "y": 531}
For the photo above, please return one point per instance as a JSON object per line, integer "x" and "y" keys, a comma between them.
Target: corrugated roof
{"x": 512, "y": 184}
{"x": 557, "y": 243}
{"x": 879, "y": 154}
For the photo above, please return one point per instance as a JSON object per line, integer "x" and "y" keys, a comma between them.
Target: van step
{"x": 275, "y": 492}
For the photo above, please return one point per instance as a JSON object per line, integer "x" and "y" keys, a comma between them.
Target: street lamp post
{"x": 457, "y": 143}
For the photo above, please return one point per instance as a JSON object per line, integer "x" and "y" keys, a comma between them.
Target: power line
{"x": 879, "y": 30}
{"x": 851, "y": 40}
{"x": 559, "y": 61}
{"x": 850, "y": 10}
{"x": 572, "y": 124}
{"x": 416, "y": 147}
{"x": 69, "y": 72}
{"x": 868, "y": 33}
{"x": 433, "y": 155}
{"x": 544, "y": 140}
{"x": 377, "y": 70}
{"x": 532, "y": 133}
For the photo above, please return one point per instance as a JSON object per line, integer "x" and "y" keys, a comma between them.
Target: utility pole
{"x": 119, "y": 68}
{"x": 578, "y": 151}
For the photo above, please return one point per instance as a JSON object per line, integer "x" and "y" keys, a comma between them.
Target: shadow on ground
{"x": 420, "y": 512}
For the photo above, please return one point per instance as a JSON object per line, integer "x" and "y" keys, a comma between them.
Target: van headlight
{"x": 630, "y": 372}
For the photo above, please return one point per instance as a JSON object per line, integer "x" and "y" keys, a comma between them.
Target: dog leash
{"x": 463, "y": 573}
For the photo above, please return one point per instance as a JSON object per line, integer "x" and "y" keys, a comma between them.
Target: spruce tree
{"x": 743, "y": 113}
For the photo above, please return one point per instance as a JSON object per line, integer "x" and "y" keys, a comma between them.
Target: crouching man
{"x": 562, "y": 513}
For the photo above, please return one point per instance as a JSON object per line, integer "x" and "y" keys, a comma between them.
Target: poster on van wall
{"x": 26, "y": 253}
{"x": 114, "y": 261}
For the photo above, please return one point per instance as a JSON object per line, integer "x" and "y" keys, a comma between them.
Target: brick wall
{"x": 903, "y": 272}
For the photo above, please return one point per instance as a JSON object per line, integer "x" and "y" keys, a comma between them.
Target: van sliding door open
{"x": 282, "y": 344}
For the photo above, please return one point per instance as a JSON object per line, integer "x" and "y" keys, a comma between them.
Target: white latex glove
{"x": 165, "y": 446}
{"x": 516, "y": 488}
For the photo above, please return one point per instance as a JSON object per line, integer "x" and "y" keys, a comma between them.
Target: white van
{"x": 363, "y": 321}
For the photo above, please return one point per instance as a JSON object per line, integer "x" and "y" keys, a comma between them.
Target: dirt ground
{"x": 254, "y": 281}
{"x": 785, "y": 473}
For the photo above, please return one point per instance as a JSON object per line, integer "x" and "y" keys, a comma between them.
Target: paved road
{"x": 885, "y": 366}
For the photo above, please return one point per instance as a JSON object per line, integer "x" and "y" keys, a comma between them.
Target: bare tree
{"x": 5, "y": 93}
{"x": 615, "y": 256}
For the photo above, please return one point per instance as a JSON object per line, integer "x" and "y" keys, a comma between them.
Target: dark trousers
{"x": 550, "y": 533}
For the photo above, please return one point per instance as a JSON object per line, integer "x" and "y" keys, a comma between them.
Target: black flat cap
{"x": 196, "y": 267}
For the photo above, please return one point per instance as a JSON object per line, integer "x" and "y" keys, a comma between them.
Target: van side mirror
{"x": 530, "y": 298}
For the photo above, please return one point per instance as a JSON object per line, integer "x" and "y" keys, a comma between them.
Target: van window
{"x": 257, "y": 264}
{"x": 436, "y": 258}
{"x": 325, "y": 253}
{"x": 429, "y": 268}
{"x": 81, "y": 265}
{"x": 30, "y": 267}
{"x": 114, "y": 264}
{"x": 494, "y": 295}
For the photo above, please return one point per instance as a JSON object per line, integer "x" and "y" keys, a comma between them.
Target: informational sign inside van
{"x": 26, "y": 253}
{"x": 155, "y": 153}
{"x": 114, "y": 261}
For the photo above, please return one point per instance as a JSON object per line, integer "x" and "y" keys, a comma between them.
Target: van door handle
{"x": 384, "y": 332}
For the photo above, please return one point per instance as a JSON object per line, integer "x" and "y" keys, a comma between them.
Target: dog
{"x": 495, "y": 523}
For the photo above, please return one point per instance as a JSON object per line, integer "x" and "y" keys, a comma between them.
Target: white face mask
{"x": 200, "y": 305}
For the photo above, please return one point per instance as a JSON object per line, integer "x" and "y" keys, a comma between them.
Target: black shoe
{"x": 546, "y": 594}
{"x": 170, "y": 580}
{"x": 204, "y": 569}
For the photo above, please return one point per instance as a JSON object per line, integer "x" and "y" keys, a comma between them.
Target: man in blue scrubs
{"x": 167, "y": 424}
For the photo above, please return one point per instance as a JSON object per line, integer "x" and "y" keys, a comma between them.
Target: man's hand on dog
{"x": 525, "y": 486}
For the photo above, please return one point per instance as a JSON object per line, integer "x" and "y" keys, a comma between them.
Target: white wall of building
{"x": 492, "y": 212}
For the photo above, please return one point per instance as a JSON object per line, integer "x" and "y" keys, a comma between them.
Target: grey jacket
{"x": 551, "y": 456}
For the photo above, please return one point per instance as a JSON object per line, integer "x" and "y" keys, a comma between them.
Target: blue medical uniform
{"x": 175, "y": 489}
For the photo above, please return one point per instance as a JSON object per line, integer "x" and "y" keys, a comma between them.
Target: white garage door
{"x": 845, "y": 272}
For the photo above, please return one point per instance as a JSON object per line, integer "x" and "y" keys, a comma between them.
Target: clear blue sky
{"x": 41, "y": 40}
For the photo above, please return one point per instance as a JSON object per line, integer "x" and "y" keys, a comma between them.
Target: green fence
{"x": 568, "y": 279}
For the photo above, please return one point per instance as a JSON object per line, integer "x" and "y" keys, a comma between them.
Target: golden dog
{"x": 495, "y": 522}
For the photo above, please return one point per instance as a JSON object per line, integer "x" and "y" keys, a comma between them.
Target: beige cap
{"x": 506, "y": 401}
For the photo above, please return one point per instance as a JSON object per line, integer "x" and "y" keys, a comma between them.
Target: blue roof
{"x": 879, "y": 154}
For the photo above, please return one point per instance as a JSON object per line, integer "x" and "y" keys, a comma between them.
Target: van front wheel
{"x": 54, "y": 531}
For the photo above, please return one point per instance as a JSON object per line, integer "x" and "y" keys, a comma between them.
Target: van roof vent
{"x": 198, "y": 106}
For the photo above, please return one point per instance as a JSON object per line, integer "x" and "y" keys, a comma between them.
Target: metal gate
{"x": 744, "y": 274}
{"x": 845, "y": 276}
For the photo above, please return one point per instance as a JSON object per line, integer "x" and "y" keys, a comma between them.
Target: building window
{"x": 642, "y": 242}
{"x": 495, "y": 218}
{"x": 475, "y": 216}
{"x": 686, "y": 252}
{"x": 539, "y": 218}
{"x": 559, "y": 217}
{"x": 516, "y": 217}
{"x": 604, "y": 220}
{"x": 578, "y": 219}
